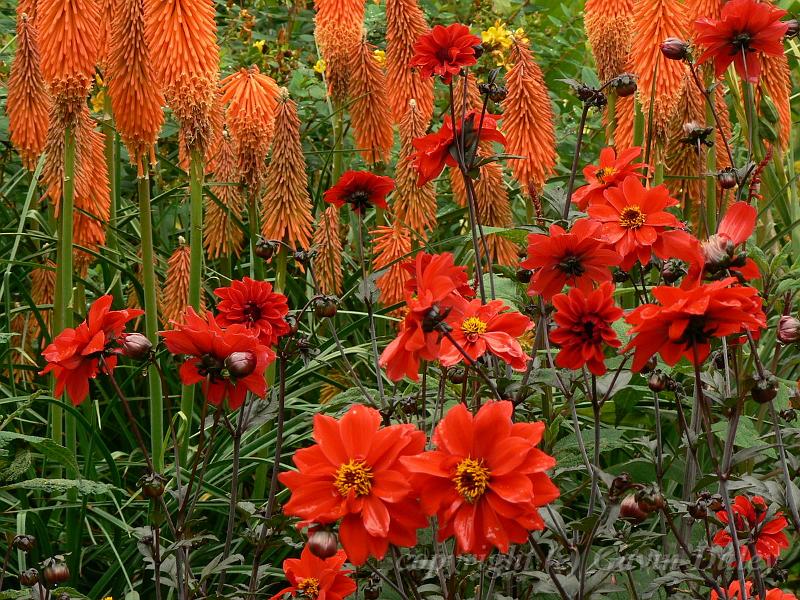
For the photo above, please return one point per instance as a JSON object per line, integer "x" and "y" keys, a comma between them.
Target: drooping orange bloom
{"x": 43, "y": 292}
{"x": 69, "y": 33}
{"x": 697, "y": 9}
{"x": 92, "y": 199}
{"x": 609, "y": 28}
{"x": 328, "y": 259}
{"x": 660, "y": 81}
{"x": 182, "y": 37}
{"x": 108, "y": 9}
{"x": 222, "y": 235}
{"x": 28, "y": 101}
{"x": 286, "y": 212}
{"x": 251, "y": 98}
{"x": 338, "y": 25}
{"x": 414, "y": 205}
{"x": 486, "y": 480}
{"x": 405, "y": 23}
{"x": 392, "y": 247}
{"x": 136, "y": 97}
{"x": 778, "y": 85}
{"x": 624, "y": 116}
{"x": 370, "y": 114}
{"x": 353, "y": 474}
{"x": 528, "y": 120}
{"x": 176, "y": 288}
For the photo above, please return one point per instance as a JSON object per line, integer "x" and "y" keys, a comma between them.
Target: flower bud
{"x": 55, "y": 571}
{"x": 265, "y": 248}
{"x": 152, "y": 485}
{"x": 240, "y": 364}
{"x": 625, "y": 85}
{"x": 323, "y": 543}
{"x": 325, "y": 306}
{"x": 698, "y": 510}
{"x": 658, "y": 381}
{"x": 135, "y": 346}
{"x": 291, "y": 321}
{"x": 478, "y": 50}
{"x": 718, "y": 253}
{"x": 650, "y": 500}
{"x": 29, "y": 577}
{"x": 788, "y": 330}
{"x": 789, "y": 415}
{"x": 715, "y": 503}
{"x": 765, "y": 389}
{"x": 675, "y": 48}
{"x": 794, "y": 28}
{"x": 24, "y": 542}
{"x": 726, "y": 178}
{"x": 457, "y": 375}
{"x": 630, "y": 511}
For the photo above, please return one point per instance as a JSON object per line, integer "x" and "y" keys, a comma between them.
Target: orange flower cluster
{"x": 136, "y": 98}
{"x": 660, "y": 81}
{"x": 528, "y": 120}
{"x": 338, "y": 32}
{"x": 69, "y": 31}
{"x": 176, "y": 288}
{"x": 28, "y": 102}
{"x": 392, "y": 247}
{"x": 222, "y": 236}
{"x": 778, "y": 86}
{"x": 405, "y": 23}
{"x": 370, "y": 114}
{"x": 92, "y": 200}
{"x": 251, "y": 98}
{"x": 609, "y": 28}
{"x": 328, "y": 259}
{"x": 414, "y": 205}
{"x": 286, "y": 206}
{"x": 182, "y": 36}
{"x": 711, "y": 9}
{"x": 108, "y": 11}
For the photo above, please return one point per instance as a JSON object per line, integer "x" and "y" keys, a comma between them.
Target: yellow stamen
{"x": 354, "y": 476}
{"x": 471, "y": 479}
{"x": 473, "y": 325}
{"x": 309, "y": 587}
{"x": 604, "y": 173}
{"x": 631, "y": 217}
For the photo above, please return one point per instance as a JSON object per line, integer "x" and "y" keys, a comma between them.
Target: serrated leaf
{"x": 44, "y": 446}
{"x": 84, "y": 487}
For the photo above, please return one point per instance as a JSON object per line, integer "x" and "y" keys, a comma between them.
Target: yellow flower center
{"x": 309, "y": 587}
{"x": 471, "y": 479}
{"x": 473, "y": 325}
{"x": 631, "y": 217}
{"x": 604, "y": 173}
{"x": 353, "y": 476}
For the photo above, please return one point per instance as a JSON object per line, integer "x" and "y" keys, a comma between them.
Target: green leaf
{"x": 61, "y": 486}
{"x": 44, "y": 446}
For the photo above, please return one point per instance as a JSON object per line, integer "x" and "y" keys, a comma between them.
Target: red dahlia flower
{"x": 312, "y": 577}
{"x": 481, "y": 328}
{"x": 584, "y": 328}
{"x": 635, "y": 222}
{"x": 354, "y": 473}
{"x": 74, "y": 355}
{"x": 751, "y": 516}
{"x": 253, "y": 304}
{"x": 486, "y": 479}
{"x": 579, "y": 258}
{"x": 435, "y": 150}
{"x": 431, "y": 295}
{"x": 444, "y": 51}
{"x": 734, "y": 593}
{"x": 360, "y": 189}
{"x": 745, "y": 30}
{"x": 611, "y": 171}
{"x": 687, "y": 319}
{"x": 207, "y": 346}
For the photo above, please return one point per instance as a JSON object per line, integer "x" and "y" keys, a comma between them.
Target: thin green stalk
{"x": 156, "y": 404}
{"x": 711, "y": 179}
{"x": 195, "y": 278}
{"x": 611, "y": 118}
{"x": 112, "y": 164}
{"x": 638, "y": 124}
{"x": 256, "y": 264}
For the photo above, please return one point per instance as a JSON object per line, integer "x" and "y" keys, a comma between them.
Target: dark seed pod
{"x": 524, "y": 275}
{"x": 765, "y": 389}
{"x": 658, "y": 381}
{"x": 24, "y": 542}
{"x": 265, "y": 249}
{"x": 152, "y": 485}
{"x": 29, "y": 577}
{"x": 55, "y": 571}
{"x": 625, "y": 85}
{"x": 457, "y": 375}
{"x": 726, "y": 178}
{"x": 325, "y": 307}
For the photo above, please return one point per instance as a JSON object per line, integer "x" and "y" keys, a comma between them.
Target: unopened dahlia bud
{"x": 718, "y": 252}
{"x": 630, "y": 511}
{"x": 323, "y": 544}
{"x": 524, "y": 275}
{"x": 240, "y": 364}
{"x": 325, "y": 306}
{"x": 624, "y": 85}
{"x": 794, "y": 28}
{"x": 671, "y": 271}
{"x": 29, "y": 577}
{"x": 135, "y": 346}
{"x": 675, "y": 48}
{"x": 650, "y": 500}
{"x": 727, "y": 178}
{"x": 788, "y": 330}
{"x": 658, "y": 381}
{"x": 265, "y": 248}
{"x": 24, "y": 542}
{"x": 765, "y": 388}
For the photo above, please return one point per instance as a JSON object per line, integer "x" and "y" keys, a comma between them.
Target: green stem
{"x": 256, "y": 264}
{"x": 638, "y": 124}
{"x": 611, "y": 118}
{"x": 112, "y": 164}
{"x": 195, "y": 279}
{"x": 151, "y": 319}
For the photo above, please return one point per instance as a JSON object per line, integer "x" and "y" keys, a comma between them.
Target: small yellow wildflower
{"x": 319, "y": 66}
{"x": 99, "y": 100}
{"x": 259, "y": 45}
{"x": 521, "y": 36}
{"x": 379, "y": 56}
{"x": 496, "y": 37}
